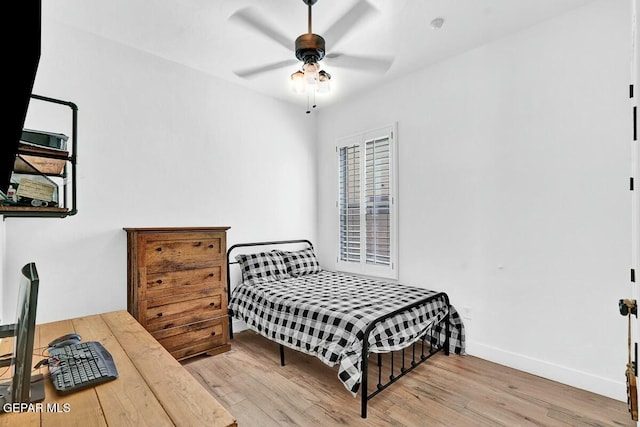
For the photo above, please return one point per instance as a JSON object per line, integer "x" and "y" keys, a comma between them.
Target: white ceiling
{"x": 199, "y": 33}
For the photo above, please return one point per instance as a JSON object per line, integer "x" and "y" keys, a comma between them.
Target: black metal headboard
{"x": 248, "y": 245}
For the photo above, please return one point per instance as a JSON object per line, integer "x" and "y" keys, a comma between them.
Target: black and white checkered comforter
{"x": 325, "y": 314}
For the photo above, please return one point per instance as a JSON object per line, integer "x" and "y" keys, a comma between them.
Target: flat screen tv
{"x": 20, "y": 58}
{"x": 23, "y": 387}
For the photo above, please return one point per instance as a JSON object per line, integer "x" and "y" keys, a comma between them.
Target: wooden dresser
{"x": 176, "y": 287}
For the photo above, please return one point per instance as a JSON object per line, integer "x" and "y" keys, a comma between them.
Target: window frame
{"x": 362, "y": 267}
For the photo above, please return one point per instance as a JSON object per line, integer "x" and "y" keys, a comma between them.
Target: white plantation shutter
{"x": 378, "y": 202}
{"x": 350, "y": 203}
{"x": 366, "y": 204}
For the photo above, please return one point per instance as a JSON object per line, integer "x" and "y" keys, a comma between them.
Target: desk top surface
{"x": 152, "y": 387}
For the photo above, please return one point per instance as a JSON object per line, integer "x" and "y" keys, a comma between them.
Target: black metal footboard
{"x": 402, "y": 369}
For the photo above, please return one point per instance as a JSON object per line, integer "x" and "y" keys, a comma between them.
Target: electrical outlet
{"x": 466, "y": 312}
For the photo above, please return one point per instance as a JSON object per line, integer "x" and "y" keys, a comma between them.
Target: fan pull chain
{"x": 311, "y": 93}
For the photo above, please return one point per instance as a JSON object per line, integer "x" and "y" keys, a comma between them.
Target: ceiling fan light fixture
{"x": 311, "y": 72}
{"x": 298, "y": 83}
{"x": 310, "y": 48}
{"x": 323, "y": 82}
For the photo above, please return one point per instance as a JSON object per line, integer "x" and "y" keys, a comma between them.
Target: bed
{"x": 340, "y": 318}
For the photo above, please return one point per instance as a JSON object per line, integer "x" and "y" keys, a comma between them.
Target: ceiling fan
{"x": 310, "y": 49}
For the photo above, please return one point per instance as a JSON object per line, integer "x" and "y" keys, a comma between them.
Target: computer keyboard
{"x": 78, "y": 366}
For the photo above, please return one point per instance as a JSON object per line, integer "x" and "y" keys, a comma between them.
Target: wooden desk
{"x": 152, "y": 389}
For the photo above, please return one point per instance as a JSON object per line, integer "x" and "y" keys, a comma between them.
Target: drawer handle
{"x": 211, "y": 246}
{"x": 159, "y": 249}
{"x": 159, "y": 281}
{"x": 197, "y": 244}
{"x": 159, "y": 314}
{"x": 211, "y": 274}
{"x": 212, "y": 304}
{"x": 213, "y": 334}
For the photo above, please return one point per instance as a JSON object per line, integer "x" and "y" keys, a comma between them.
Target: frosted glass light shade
{"x": 323, "y": 82}
{"x": 298, "y": 83}
{"x": 311, "y": 72}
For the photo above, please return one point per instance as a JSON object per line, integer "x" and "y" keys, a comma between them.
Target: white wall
{"x": 159, "y": 145}
{"x": 513, "y": 191}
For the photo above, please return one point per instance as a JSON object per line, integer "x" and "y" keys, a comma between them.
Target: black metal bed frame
{"x": 393, "y": 377}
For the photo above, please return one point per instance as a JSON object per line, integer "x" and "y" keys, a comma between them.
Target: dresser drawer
{"x": 178, "y": 310}
{"x": 200, "y": 348}
{"x": 183, "y": 251}
{"x": 183, "y": 281}
{"x": 210, "y": 332}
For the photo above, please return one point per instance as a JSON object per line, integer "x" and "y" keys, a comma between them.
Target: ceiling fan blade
{"x": 377, "y": 64}
{"x": 254, "y": 71}
{"x": 347, "y": 22}
{"x": 254, "y": 21}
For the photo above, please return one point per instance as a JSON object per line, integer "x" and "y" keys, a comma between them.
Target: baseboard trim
{"x": 562, "y": 374}
{"x": 573, "y": 377}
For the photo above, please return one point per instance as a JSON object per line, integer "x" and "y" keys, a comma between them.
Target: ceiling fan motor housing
{"x": 310, "y": 48}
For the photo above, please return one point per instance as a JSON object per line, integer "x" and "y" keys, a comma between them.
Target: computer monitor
{"x": 23, "y": 388}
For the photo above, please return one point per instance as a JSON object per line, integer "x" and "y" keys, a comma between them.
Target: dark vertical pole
{"x": 229, "y": 295}
{"x": 281, "y": 355}
{"x": 365, "y": 373}
{"x": 447, "y": 332}
{"x": 379, "y": 370}
{"x": 413, "y": 353}
{"x": 74, "y": 155}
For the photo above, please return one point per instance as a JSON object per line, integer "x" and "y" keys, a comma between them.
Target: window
{"x": 367, "y": 203}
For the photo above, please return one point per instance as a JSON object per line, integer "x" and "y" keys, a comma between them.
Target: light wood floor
{"x": 444, "y": 391}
